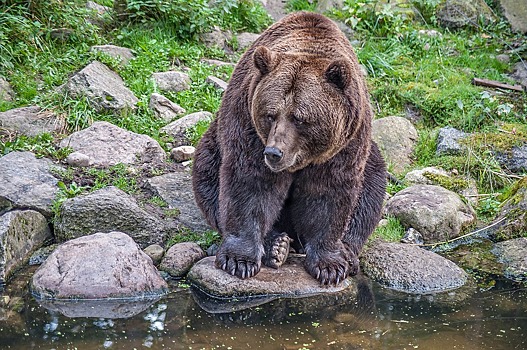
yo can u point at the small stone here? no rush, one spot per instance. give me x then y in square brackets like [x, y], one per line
[178, 128]
[163, 108]
[100, 9]
[172, 81]
[217, 82]
[382, 223]
[180, 257]
[124, 54]
[412, 236]
[448, 141]
[155, 252]
[217, 38]
[78, 159]
[503, 58]
[6, 92]
[431, 33]
[216, 63]
[182, 153]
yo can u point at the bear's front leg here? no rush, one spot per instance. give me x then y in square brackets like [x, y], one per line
[250, 202]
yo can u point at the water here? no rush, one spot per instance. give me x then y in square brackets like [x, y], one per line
[373, 319]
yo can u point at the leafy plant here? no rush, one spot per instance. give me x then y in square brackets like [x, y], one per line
[301, 5]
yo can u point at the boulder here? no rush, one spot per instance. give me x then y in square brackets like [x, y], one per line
[182, 153]
[180, 258]
[78, 159]
[99, 266]
[275, 282]
[437, 213]
[163, 108]
[176, 190]
[26, 183]
[513, 213]
[6, 91]
[512, 254]
[31, 121]
[216, 38]
[519, 73]
[100, 9]
[463, 186]
[275, 8]
[123, 54]
[516, 13]
[448, 141]
[455, 14]
[105, 210]
[21, 233]
[155, 252]
[107, 145]
[245, 40]
[408, 268]
[396, 138]
[515, 159]
[216, 63]
[217, 83]
[178, 128]
[104, 89]
[171, 81]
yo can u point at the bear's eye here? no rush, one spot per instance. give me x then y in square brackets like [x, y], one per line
[297, 120]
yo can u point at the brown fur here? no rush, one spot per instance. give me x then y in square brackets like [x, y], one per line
[298, 95]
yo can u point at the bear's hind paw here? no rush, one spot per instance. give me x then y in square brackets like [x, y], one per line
[276, 249]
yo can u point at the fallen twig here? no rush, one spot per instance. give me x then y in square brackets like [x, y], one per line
[496, 84]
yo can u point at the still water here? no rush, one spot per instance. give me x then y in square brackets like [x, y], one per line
[373, 318]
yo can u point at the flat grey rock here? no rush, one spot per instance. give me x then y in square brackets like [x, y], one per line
[514, 160]
[437, 213]
[31, 121]
[104, 89]
[176, 189]
[290, 280]
[520, 73]
[408, 268]
[245, 40]
[106, 145]
[99, 266]
[27, 183]
[21, 233]
[105, 210]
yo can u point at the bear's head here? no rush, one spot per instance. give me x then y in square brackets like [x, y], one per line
[305, 108]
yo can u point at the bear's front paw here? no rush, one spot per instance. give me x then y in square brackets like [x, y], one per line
[332, 267]
[276, 247]
[238, 259]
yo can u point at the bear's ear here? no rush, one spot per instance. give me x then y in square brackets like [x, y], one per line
[263, 59]
[339, 74]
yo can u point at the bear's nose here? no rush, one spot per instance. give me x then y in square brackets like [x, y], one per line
[273, 154]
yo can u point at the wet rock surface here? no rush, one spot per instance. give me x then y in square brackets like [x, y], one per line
[27, 183]
[99, 266]
[105, 210]
[106, 144]
[437, 213]
[290, 280]
[513, 255]
[21, 233]
[411, 269]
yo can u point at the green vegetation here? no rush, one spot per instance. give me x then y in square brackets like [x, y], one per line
[392, 231]
[205, 239]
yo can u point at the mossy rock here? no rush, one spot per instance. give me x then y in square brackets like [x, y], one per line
[455, 14]
[514, 212]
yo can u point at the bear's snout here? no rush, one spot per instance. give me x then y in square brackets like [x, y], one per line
[273, 154]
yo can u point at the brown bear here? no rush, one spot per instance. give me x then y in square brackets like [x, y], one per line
[290, 155]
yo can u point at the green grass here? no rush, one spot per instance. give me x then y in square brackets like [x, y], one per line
[393, 231]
